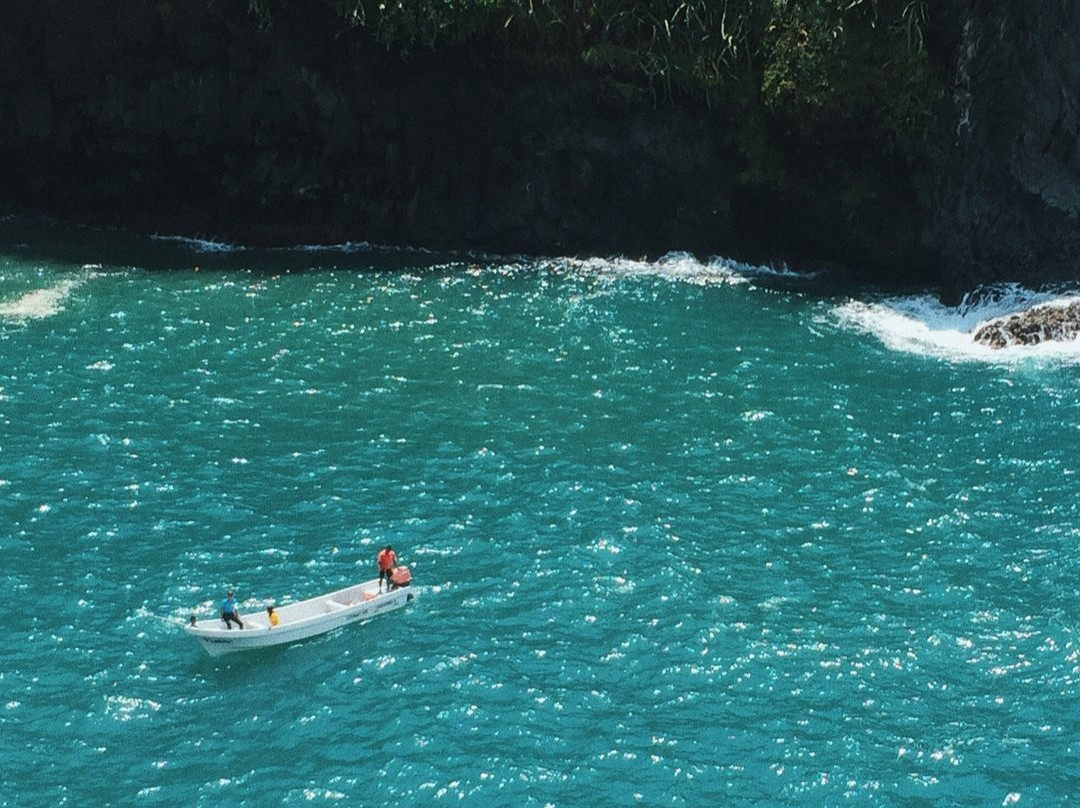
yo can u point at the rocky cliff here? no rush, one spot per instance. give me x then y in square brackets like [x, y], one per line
[193, 117]
[199, 117]
[1002, 173]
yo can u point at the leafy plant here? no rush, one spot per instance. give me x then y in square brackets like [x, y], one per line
[805, 58]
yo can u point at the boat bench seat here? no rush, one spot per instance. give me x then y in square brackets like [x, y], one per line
[333, 606]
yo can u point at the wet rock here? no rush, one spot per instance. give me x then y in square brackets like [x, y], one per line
[1055, 322]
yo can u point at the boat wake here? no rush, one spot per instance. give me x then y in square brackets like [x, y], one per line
[923, 325]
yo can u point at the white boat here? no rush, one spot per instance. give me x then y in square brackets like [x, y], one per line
[297, 621]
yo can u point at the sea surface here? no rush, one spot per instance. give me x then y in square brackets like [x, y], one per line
[683, 532]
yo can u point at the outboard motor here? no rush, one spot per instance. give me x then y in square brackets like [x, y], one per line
[400, 577]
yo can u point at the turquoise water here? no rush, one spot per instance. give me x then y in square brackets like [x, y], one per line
[682, 532]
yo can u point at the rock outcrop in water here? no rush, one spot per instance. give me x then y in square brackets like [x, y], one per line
[188, 117]
[1058, 323]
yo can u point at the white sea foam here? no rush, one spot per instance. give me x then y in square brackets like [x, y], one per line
[349, 247]
[200, 244]
[921, 324]
[38, 303]
[679, 267]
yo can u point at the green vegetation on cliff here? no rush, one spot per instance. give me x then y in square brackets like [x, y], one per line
[804, 59]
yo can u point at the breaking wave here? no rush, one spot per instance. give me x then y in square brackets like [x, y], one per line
[679, 267]
[199, 244]
[921, 324]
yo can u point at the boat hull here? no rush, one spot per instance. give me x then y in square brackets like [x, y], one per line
[300, 620]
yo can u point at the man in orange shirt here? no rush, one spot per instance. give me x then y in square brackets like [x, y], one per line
[387, 561]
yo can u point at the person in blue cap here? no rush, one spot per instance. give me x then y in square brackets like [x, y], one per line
[228, 611]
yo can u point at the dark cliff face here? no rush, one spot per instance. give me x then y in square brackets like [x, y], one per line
[191, 117]
[194, 117]
[1004, 172]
